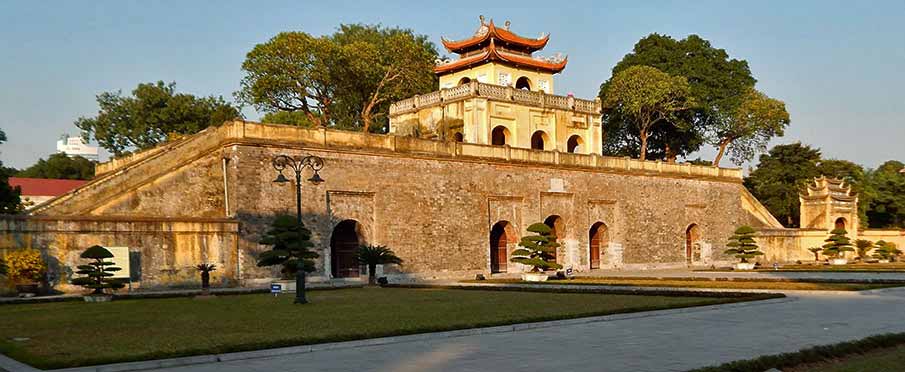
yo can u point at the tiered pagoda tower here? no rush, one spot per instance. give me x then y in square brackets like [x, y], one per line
[828, 203]
[498, 93]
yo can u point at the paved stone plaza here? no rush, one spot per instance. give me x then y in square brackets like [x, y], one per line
[672, 341]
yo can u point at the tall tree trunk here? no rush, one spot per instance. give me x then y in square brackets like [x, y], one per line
[719, 155]
[643, 155]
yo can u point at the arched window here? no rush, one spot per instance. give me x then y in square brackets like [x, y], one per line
[459, 137]
[344, 243]
[840, 223]
[558, 226]
[539, 140]
[574, 143]
[692, 244]
[597, 239]
[523, 83]
[501, 235]
[499, 136]
[464, 80]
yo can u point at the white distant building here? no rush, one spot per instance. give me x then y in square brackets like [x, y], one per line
[73, 146]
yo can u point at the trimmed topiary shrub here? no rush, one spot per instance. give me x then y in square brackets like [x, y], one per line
[863, 247]
[742, 245]
[837, 244]
[886, 251]
[290, 242]
[98, 274]
[537, 250]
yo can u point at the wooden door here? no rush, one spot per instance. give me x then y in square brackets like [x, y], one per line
[596, 240]
[343, 245]
[498, 251]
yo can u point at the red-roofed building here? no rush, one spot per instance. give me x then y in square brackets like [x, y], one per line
[38, 190]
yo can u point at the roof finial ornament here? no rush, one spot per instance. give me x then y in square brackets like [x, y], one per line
[481, 17]
[507, 25]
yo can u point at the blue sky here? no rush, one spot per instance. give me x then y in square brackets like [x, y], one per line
[839, 66]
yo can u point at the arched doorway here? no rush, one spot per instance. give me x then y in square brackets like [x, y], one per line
[459, 137]
[559, 231]
[840, 223]
[574, 144]
[500, 237]
[523, 83]
[343, 243]
[597, 238]
[464, 80]
[692, 244]
[499, 136]
[538, 140]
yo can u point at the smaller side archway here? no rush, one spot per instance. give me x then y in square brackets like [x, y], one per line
[499, 136]
[558, 226]
[597, 240]
[344, 242]
[464, 80]
[502, 236]
[575, 144]
[523, 83]
[840, 223]
[539, 140]
[459, 137]
[693, 238]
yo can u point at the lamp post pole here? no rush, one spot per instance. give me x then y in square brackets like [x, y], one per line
[297, 165]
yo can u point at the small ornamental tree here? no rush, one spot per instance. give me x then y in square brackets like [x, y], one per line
[816, 251]
[742, 245]
[205, 270]
[373, 255]
[290, 242]
[98, 274]
[25, 266]
[537, 250]
[863, 247]
[837, 244]
[886, 251]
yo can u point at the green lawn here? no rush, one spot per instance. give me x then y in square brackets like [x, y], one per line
[721, 284]
[853, 267]
[71, 334]
[892, 359]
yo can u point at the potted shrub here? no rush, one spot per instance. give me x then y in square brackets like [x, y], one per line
[537, 251]
[373, 255]
[25, 268]
[742, 246]
[836, 246]
[205, 270]
[886, 252]
[290, 243]
[98, 274]
[862, 248]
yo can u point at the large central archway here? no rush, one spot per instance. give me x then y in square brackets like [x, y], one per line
[500, 236]
[499, 136]
[343, 243]
[558, 226]
[597, 238]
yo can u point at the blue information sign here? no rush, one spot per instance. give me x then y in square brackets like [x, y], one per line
[276, 288]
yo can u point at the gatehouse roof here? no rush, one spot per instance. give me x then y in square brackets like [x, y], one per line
[489, 31]
[493, 53]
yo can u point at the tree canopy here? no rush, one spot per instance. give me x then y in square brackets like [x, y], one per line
[60, 166]
[884, 196]
[648, 96]
[728, 113]
[345, 80]
[10, 201]
[779, 175]
[152, 114]
[290, 242]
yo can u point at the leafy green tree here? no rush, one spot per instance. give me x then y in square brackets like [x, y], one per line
[153, 114]
[60, 166]
[886, 251]
[296, 118]
[373, 255]
[779, 176]
[863, 247]
[742, 245]
[747, 130]
[717, 84]
[345, 80]
[885, 196]
[290, 244]
[816, 251]
[98, 274]
[837, 244]
[10, 200]
[537, 250]
[649, 97]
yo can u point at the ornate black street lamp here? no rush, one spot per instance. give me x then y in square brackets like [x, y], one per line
[316, 163]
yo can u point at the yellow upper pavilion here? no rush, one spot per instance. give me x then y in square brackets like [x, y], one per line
[498, 93]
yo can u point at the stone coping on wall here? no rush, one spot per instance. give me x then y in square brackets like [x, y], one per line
[496, 93]
[19, 223]
[140, 168]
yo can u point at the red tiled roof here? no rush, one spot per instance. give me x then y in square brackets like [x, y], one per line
[492, 32]
[491, 53]
[44, 187]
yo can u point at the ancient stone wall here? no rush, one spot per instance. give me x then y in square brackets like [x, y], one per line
[163, 252]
